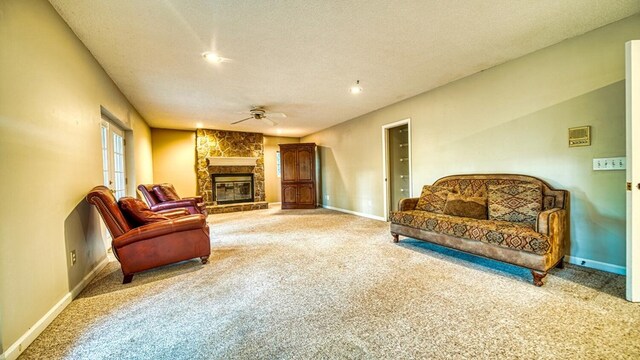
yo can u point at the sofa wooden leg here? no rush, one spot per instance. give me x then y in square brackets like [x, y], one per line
[396, 237]
[537, 277]
[127, 279]
[560, 264]
[204, 259]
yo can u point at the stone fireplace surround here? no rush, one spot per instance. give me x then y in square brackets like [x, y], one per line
[229, 152]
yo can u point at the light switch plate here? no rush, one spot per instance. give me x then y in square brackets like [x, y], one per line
[615, 163]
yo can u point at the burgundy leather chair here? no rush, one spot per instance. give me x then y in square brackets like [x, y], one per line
[195, 204]
[148, 246]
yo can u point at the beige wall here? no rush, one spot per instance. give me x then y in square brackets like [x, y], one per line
[272, 181]
[174, 159]
[142, 156]
[512, 118]
[50, 97]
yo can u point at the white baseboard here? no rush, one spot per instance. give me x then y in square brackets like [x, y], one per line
[374, 217]
[27, 338]
[598, 265]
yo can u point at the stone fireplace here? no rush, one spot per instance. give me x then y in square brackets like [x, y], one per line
[230, 170]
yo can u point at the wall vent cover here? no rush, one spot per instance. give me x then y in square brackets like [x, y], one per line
[580, 136]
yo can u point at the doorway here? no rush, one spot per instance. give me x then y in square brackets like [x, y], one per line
[396, 150]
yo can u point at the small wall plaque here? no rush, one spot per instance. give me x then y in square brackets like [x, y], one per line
[580, 136]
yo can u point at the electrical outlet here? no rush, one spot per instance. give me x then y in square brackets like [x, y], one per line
[616, 163]
[74, 258]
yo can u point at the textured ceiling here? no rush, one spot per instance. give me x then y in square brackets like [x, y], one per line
[301, 57]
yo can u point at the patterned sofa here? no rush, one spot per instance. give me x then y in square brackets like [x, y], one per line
[525, 223]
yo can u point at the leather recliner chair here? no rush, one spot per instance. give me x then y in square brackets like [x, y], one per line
[155, 244]
[195, 204]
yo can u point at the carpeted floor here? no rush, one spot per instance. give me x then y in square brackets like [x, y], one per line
[302, 284]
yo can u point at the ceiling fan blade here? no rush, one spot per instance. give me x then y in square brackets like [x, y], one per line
[269, 121]
[239, 121]
[276, 115]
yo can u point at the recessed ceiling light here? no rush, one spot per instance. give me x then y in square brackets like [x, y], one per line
[213, 57]
[356, 89]
[199, 125]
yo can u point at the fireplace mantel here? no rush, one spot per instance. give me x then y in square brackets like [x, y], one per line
[232, 161]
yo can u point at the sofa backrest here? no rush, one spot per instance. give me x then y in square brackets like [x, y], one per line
[477, 185]
[102, 197]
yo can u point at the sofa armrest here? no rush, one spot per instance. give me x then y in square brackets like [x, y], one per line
[160, 228]
[183, 203]
[549, 219]
[197, 199]
[407, 204]
[174, 213]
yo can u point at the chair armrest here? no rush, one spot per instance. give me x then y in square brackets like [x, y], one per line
[197, 199]
[182, 203]
[174, 213]
[407, 204]
[550, 220]
[150, 231]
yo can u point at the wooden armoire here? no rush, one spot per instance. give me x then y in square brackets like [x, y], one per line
[298, 175]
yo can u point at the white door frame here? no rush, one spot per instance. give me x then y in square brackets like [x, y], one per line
[385, 167]
[633, 169]
[109, 123]
[113, 129]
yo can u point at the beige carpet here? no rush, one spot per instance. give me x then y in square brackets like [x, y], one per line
[303, 284]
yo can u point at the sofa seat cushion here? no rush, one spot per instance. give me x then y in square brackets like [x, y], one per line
[517, 236]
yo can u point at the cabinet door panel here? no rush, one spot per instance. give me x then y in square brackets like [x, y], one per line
[305, 164]
[288, 163]
[289, 194]
[306, 195]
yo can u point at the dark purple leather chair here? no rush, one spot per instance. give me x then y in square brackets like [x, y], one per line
[194, 205]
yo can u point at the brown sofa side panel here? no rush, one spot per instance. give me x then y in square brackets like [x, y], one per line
[557, 237]
[164, 249]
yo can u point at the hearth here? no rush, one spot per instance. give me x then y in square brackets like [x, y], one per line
[232, 188]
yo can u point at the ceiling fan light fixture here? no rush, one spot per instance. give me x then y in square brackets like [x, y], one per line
[213, 57]
[259, 113]
[356, 89]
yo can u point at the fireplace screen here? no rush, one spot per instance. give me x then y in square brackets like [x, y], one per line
[233, 188]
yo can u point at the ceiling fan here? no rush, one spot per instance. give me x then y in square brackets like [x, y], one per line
[260, 113]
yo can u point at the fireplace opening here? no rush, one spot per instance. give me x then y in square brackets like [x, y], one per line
[232, 188]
